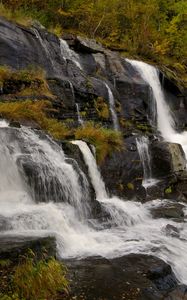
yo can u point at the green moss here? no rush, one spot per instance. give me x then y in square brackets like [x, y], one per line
[168, 190]
[130, 186]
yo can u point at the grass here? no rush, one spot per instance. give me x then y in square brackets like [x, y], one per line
[102, 108]
[35, 280]
[29, 81]
[35, 111]
[105, 140]
[17, 15]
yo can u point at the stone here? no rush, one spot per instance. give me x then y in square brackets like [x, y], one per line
[133, 277]
[15, 246]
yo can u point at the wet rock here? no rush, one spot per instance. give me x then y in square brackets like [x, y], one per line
[123, 172]
[13, 246]
[166, 159]
[134, 277]
[169, 210]
[83, 44]
[15, 124]
[172, 230]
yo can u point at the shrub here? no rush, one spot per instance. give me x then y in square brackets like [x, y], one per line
[105, 140]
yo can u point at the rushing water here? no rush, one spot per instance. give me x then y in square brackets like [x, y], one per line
[129, 227]
[165, 122]
[67, 53]
[80, 119]
[112, 107]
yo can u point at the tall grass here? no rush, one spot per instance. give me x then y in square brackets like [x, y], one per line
[105, 140]
[17, 15]
[31, 81]
[35, 111]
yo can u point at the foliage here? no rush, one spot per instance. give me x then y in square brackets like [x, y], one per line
[105, 140]
[32, 279]
[150, 29]
[15, 15]
[101, 108]
[168, 190]
[35, 111]
[30, 81]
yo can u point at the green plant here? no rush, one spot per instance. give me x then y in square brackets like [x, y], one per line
[39, 280]
[5, 262]
[130, 186]
[106, 141]
[168, 190]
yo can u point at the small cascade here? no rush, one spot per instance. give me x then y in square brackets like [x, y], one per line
[94, 173]
[80, 119]
[43, 44]
[143, 150]
[72, 90]
[165, 122]
[67, 53]
[112, 107]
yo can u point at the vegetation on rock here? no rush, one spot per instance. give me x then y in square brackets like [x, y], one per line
[32, 279]
[150, 29]
[105, 140]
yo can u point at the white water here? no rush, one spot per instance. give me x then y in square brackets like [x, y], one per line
[67, 53]
[94, 173]
[131, 229]
[112, 107]
[80, 119]
[165, 122]
[143, 150]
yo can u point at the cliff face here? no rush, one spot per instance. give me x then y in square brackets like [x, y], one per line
[83, 75]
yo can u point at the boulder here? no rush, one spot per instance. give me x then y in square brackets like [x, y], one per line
[167, 159]
[135, 277]
[83, 44]
[14, 246]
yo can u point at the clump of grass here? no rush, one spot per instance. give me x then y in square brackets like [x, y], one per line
[33, 279]
[106, 141]
[17, 15]
[102, 108]
[30, 81]
[35, 111]
[39, 280]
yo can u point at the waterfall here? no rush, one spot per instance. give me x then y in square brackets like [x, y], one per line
[112, 107]
[67, 53]
[95, 175]
[128, 227]
[80, 120]
[143, 150]
[165, 122]
[72, 90]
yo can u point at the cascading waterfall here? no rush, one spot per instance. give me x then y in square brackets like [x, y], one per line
[112, 107]
[165, 122]
[143, 150]
[67, 53]
[80, 119]
[131, 229]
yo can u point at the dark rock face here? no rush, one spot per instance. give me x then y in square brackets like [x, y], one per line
[135, 277]
[123, 172]
[82, 80]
